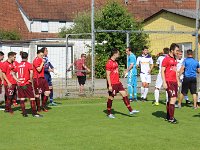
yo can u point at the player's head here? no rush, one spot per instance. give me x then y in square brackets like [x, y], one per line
[145, 50]
[166, 50]
[24, 56]
[12, 56]
[174, 48]
[180, 54]
[189, 53]
[114, 53]
[128, 50]
[40, 54]
[83, 56]
[20, 53]
[44, 50]
[1, 55]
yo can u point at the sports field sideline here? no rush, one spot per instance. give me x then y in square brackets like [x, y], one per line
[82, 124]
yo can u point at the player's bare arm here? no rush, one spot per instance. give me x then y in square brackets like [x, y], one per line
[108, 80]
[1, 75]
[181, 71]
[151, 67]
[39, 69]
[163, 77]
[129, 68]
[5, 78]
[31, 76]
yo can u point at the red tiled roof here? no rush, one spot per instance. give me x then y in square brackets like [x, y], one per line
[11, 18]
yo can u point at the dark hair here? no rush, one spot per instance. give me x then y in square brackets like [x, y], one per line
[24, 55]
[20, 53]
[1, 53]
[42, 49]
[189, 52]
[145, 47]
[83, 55]
[173, 46]
[39, 51]
[114, 51]
[11, 54]
[166, 50]
[129, 49]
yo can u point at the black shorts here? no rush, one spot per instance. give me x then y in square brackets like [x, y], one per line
[81, 80]
[189, 83]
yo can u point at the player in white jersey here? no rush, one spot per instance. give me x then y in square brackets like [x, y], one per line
[145, 62]
[180, 60]
[159, 80]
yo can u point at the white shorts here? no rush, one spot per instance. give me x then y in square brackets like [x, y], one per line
[145, 78]
[159, 81]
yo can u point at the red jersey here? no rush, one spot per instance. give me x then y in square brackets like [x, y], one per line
[170, 64]
[7, 69]
[23, 72]
[36, 63]
[79, 66]
[1, 66]
[112, 66]
[15, 64]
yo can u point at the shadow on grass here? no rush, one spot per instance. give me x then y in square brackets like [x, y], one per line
[198, 115]
[159, 114]
[117, 112]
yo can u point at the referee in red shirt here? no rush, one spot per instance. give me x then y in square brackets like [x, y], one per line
[114, 84]
[171, 80]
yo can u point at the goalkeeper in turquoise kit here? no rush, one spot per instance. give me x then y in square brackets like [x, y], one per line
[131, 74]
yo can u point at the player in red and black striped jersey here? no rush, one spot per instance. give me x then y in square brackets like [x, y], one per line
[24, 72]
[40, 84]
[114, 84]
[1, 77]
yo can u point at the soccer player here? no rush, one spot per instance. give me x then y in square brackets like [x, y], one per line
[81, 70]
[145, 62]
[180, 60]
[1, 78]
[9, 82]
[171, 80]
[114, 84]
[24, 77]
[159, 81]
[40, 84]
[48, 68]
[132, 75]
[14, 101]
[189, 67]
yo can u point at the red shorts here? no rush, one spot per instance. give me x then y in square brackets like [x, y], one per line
[25, 91]
[115, 89]
[172, 89]
[40, 85]
[10, 92]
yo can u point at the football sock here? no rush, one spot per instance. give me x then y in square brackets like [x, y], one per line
[33, 107]
[8, 105]
[171, 110]
[37, 100]
[127, 103]
[130, 91]
[51, 96]
[167, 107]
[166, 96]
[146, 90]
[109, 106]
[142, 92]
[44, 101]
[22, 104]
[156, 95]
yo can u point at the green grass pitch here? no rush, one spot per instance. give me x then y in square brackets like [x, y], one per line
[81, 124]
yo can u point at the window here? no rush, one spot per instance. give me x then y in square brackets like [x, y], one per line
[61, 24]
[45, 26]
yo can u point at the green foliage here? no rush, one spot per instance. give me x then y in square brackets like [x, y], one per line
[9, 35]
[113, 16]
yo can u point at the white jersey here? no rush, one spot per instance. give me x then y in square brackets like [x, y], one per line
[144, 62]
[159, 62]
[179, 65]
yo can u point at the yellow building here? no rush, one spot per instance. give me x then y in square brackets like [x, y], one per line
[172, 20]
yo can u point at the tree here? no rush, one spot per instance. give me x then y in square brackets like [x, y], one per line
[9, 35]
[113, 16]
